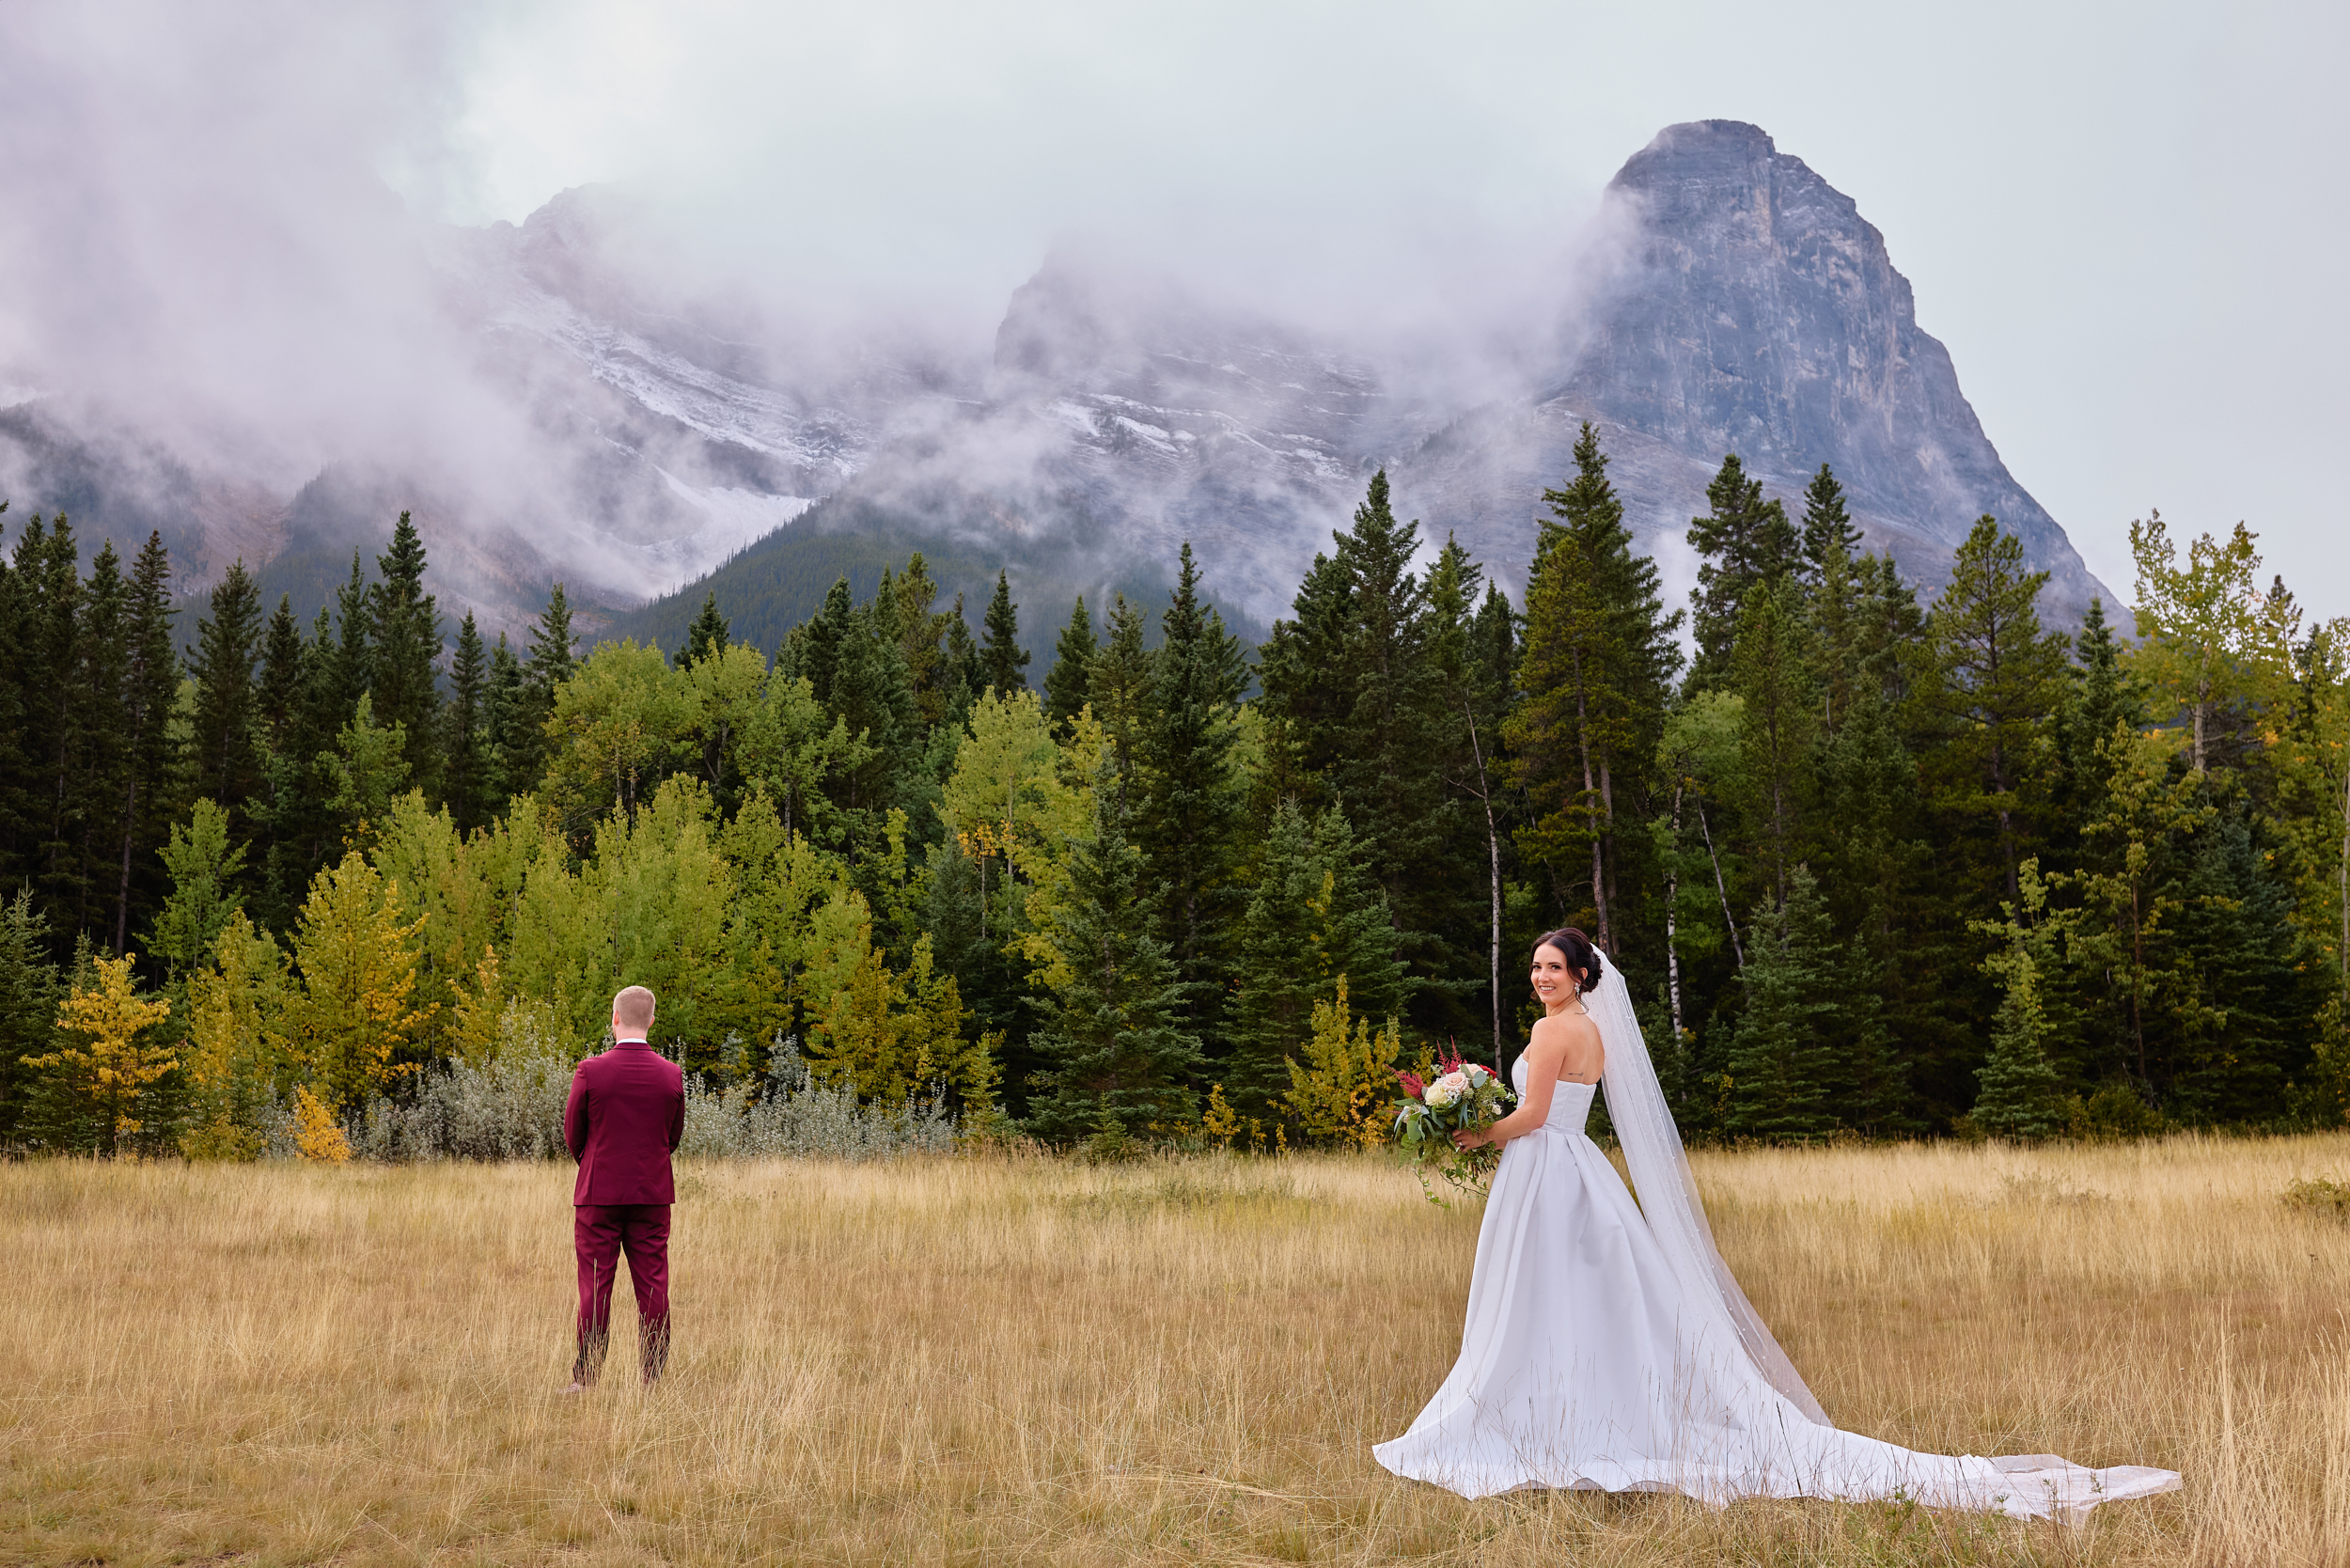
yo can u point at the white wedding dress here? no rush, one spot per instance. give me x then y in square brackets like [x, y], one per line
[1606, 1351]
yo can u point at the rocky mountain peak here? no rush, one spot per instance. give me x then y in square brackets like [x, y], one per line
[1763, 316]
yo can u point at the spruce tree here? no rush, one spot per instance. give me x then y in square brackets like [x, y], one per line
[1001, 657]
[1871, 864]
[99, 776]
[2240, 1018]
[551, 660]
[1120, 687]
[404, 646]
[150, 686]
[1595, 679]
[1828, 530]
[962, 660]
[510, 767]
[53, 601]
[872, 697]
[1745, 542]
[12, 708]
[30, 989]
[1314, 915]
[1065, 683]
[467, 778]
[1780, 1061]
[707, 635]
[2018, 1084]
[1189, 825]
[1355, 687]
[1307, 679]
[345, 664]
[924, 639]
[225, 761]
[1114, 1048]
[2098, 694]
[1771, 669]
[819, 643]
[1996, 682]
[278, 689]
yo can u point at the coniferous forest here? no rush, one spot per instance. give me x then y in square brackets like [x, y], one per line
[1875, 864]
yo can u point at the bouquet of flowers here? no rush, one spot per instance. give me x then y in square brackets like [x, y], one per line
[1462, 1096]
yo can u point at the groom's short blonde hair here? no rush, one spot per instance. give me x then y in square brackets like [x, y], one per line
[632, 1009]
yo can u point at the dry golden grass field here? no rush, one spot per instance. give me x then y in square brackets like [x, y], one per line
[1024, 1361]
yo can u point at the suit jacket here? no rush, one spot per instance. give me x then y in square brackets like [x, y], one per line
[625, 1115]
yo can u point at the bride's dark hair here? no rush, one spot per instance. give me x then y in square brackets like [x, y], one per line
[1581, 956]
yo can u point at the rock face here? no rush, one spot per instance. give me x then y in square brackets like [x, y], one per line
[1765, 316]
[1747, 308]
[1741, 305]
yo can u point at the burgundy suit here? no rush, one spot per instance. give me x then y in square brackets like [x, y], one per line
[625, 1115]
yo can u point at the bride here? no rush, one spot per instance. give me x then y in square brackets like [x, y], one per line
[1607, 1346]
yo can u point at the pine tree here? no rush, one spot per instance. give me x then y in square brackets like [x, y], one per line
[204, 866]
[872, 697]
[1771, 670]
[707, 635]
[93, 785]
[404, 646]
[1001, 657]
[1780, 1062]
[228, 765]
[1120, 686]
[1745, 542]
[346, 666]
[1314, 917]
[1115, 1051]
[552, 659]
[278, 689]
[2098, 694]
[2019, 1085]
[1594, 680]
[1188, 827]
[1357, 704]
[29, 992]
[1997, 683]
[49, 595]
[925, 635]
[150, 686]
[1307, 678]
[819, 641]
[1871, 866]
[2252, 984]
[467, 773]
[1828, 530]
[1065, 684]
[1477, 651]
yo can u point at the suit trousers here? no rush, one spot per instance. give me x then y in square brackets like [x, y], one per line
[601, 1233]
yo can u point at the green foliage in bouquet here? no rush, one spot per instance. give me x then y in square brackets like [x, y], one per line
[1464, 1097]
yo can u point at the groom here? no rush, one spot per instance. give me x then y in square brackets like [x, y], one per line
[626, 1113]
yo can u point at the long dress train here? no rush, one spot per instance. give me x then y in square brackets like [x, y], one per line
[1587, 1363]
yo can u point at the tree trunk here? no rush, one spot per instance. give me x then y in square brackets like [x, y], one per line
[1493, 850]
[1590, 789]
[1673, 891]
[122, 898]
[1608, 801]
[1720, 886]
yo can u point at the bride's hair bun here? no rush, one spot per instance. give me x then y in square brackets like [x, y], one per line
[1583, 961]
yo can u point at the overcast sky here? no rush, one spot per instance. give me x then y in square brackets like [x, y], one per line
[2126, 222]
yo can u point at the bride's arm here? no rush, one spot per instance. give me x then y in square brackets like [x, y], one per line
[1553, 1050]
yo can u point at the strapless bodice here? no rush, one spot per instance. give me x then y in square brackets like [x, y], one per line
[1570, 1103]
